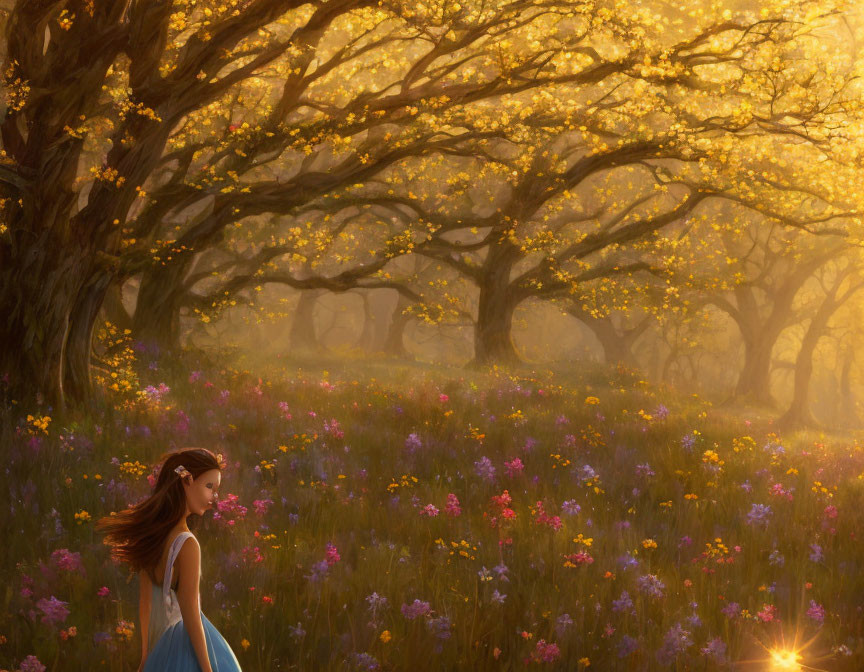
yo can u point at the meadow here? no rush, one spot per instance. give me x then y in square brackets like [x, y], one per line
[384, 516]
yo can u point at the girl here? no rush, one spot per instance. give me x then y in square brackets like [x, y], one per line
[154, 539]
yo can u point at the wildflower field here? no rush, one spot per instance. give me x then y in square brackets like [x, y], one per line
[402, 517]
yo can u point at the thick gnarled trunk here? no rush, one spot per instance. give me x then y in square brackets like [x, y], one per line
[493, 343]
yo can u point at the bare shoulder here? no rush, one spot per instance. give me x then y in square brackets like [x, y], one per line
[189, 546]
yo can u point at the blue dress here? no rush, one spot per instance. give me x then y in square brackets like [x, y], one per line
[169, 646]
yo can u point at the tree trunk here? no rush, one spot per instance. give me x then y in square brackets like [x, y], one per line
[617, 344]
[156, 323]
[38, 289]
[394, 343]
[493, 343]
[367, 335]
[113, 308]
[303, 337]
[799, 414]
[849, 405]
[79, 343]
[754, 381]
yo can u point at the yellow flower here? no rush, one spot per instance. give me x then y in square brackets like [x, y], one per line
[649, 543]
[385, 636]
[38, 423]
[592, 401]
[244, 643]
[82, 517]
[585, 662]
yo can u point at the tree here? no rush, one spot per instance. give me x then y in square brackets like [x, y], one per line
[843, 283]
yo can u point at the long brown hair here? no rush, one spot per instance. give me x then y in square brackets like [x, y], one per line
[137, 534]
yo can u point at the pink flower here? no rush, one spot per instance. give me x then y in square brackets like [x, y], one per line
[768, 613]
[429, 510]
[53, 610]
[63, 558]
[545, 653]
[443, 398]
[543, 518]
[261, 506]
[332, 555]
[580, 558]
[830, 511]
[229, 506]
[103, 591]
[514, 467]
[31, 664]
[252, 554]
[452, 508]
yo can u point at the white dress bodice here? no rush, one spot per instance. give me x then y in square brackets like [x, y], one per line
[164, 608]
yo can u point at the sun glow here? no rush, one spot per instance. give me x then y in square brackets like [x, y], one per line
[785, 660]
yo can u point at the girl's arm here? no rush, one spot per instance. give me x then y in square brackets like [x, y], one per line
[145, 593]
[189, 564]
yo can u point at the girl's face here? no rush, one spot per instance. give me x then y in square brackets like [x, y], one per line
[202, 493]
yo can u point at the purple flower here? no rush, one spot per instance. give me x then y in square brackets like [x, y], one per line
[816, 612]
[440, 626]
[650, 585]
[661, 412]
[715, 650]
[675, 642]
[319, 571]
[562, 623]
[626, 646]
[570, 507]
[376, 602]
[484, 468]
[626, 562]
[623, 603]
[412, 443]
[816, 554]
[31, 664]
[296, 631]
[776, 558]
[54, 610]
[498, 598]
[501, 570]
[364, 661]
[415, 609]
[731, 610]
[219, 586]
[760, 514]
[688, 441]
[644, 470]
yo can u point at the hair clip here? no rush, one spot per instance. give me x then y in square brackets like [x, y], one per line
[220, 460]
[182, 471]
